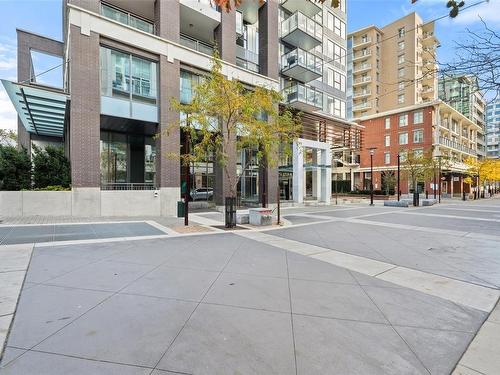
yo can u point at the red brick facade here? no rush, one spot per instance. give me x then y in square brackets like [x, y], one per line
[374, 135]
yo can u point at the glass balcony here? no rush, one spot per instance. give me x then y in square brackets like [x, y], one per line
[127, 18]
[247, 59]
[197, 45]
[302, 97]
[301, 31]
[301, 65]
[309, 8]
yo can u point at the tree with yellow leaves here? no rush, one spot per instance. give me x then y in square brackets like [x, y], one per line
[484, 172]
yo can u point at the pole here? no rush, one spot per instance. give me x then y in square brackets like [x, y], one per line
[279, 199]
[336, 192]
[399, 169]
[434, 181]
[439, 186]
[371, 179]
[186, 174]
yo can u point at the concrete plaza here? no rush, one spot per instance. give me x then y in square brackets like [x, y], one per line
[341, 290]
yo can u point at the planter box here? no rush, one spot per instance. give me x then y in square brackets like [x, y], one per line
[260, 216]
[401, 203]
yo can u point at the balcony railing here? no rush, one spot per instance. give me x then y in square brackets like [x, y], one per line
[127, 186]
[126, 18]
[457, 146]
[363, 80]
[361, 42]
[310, 65]
[362, 55]
[307, 26]
[359, 94]
[197, 45]
[361, 67]
[298, 92]
[247, 59]
[360, 107]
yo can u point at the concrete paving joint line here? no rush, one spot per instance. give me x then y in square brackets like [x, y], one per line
[14, 263]
[467, 294]
[482, 356]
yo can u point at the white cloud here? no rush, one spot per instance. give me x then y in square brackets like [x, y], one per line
[7, 63]
[489, 12]
[8, 115]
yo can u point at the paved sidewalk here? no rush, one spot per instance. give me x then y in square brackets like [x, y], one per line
[483, 355]
[342, 290]
[14, 261]
[223, 304]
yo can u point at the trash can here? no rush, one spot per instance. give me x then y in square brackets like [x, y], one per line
[180, 209]
[230, 211]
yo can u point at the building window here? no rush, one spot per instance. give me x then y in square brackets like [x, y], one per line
[387, 141]
[403, 120]
[330, 20]
[418, 136]
[188, 82]
[418, 153]
[401, 32]
[401, 86]
[403, 155]
[401, 98]
[387, 123]
[403, 138]
[418, 117]
[401, 72]
[329, 77]
[387, 158]
[339, 81]
[330, 49]
[339, 28]
[401, 46]
[339, 54]
[401, 59]
[125, 77]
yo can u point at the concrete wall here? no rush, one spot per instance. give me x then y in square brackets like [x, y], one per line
[89, 202]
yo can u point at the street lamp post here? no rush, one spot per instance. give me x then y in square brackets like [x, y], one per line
[439, 174]
[372, 151]
[399, 169]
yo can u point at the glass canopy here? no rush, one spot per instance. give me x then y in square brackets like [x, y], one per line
[41, 110]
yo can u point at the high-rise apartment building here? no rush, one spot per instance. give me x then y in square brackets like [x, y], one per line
[463, 94]
[493, 129]
[123, 62]
[393, 66]
[394, 96]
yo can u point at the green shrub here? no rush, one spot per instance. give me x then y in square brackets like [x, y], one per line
[15, 168]
[50, 167]
[54, 188]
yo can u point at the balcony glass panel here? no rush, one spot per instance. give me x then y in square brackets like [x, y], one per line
[126, 18]
[302, 22]
[302, 58]
[197, 45]
[301, 93]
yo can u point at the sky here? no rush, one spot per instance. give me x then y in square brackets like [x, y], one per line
[44, 17]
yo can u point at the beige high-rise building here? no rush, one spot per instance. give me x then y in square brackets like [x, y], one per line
[393, 66]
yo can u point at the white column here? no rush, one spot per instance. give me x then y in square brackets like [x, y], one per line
[298, 173]
[352, 180]
[326, 175]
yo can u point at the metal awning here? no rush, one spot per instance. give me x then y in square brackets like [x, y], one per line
[41, 110]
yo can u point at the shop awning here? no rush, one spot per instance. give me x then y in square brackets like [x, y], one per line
[41, 110]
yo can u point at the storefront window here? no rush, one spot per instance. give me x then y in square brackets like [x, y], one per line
[248, 172]
[127, 161]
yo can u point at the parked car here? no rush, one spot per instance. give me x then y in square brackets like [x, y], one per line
[202, 194]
